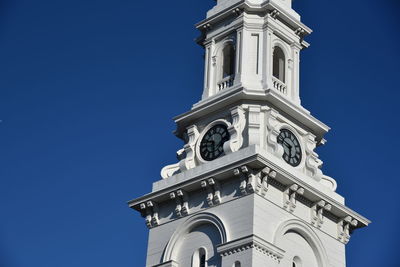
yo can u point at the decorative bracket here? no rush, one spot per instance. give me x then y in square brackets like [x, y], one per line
[262, 181]
[182, 202]
[289, 197]
[247, 180]
[251, 182]
[190, 149]
[173, 169]
[235, 130]
[213, 191]
[274, 14]
[344, 228]
[237, 11]
[317, 212]
[273, 132]
[150, 212]
[207, 26]
[299, 31]
[313, 163]
[169, 170]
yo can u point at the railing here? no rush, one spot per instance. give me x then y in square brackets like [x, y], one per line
[279, 85]
[226, 82]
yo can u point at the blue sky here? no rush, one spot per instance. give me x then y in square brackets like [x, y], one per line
[88, 90]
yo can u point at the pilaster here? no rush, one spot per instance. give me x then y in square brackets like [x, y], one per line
[252, 45]
[239, 55]
[267, 78]
[295, 65]
[207, 72]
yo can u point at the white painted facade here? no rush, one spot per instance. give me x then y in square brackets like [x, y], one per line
[249, 206]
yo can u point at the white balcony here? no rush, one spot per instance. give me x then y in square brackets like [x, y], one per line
[225, 82]
[279, 85]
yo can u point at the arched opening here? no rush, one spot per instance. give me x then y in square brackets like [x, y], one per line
[297, 238]
[202, 257]
[237, 264]
[199, 258]
[228, 62]
[203, 230]
[297, 262]
[279, 67]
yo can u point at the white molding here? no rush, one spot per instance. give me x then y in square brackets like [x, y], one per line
[267, 97]
[308, 234]
[224, 166]
[251, 242]
[186, 226]
[189, 162]
[235, 130]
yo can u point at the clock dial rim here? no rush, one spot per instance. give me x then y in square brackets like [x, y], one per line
[290, 143]
[210, 138]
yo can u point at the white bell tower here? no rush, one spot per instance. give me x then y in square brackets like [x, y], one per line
[262, 46]
[248, 189]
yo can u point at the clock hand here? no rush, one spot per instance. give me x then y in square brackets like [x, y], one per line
[289, 147]
[210, 143]
[221, 141]
[214, 141]
[287, 144]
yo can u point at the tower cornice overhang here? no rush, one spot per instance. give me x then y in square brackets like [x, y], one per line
[256, 158]
[242, 95]
[251, 241]
[240, 22]
[266, 8]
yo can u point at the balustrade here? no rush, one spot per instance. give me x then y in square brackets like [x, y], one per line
[279, 85]
[226, 82]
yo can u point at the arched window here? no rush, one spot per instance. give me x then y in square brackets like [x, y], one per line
[228, 62]
[279, 67]
[202, 260]
[199, 258]
[296, 262]
[237, 264]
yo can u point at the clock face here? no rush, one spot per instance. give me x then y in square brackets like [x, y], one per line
[291, 146]
[211, 147]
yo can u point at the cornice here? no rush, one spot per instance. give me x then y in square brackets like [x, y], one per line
[219, 16]
[189, 180]
[220, 34]
[254, 158]
[264, 8]
[241, 94]
[251, 242]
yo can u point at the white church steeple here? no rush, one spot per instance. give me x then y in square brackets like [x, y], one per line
[248, 189]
